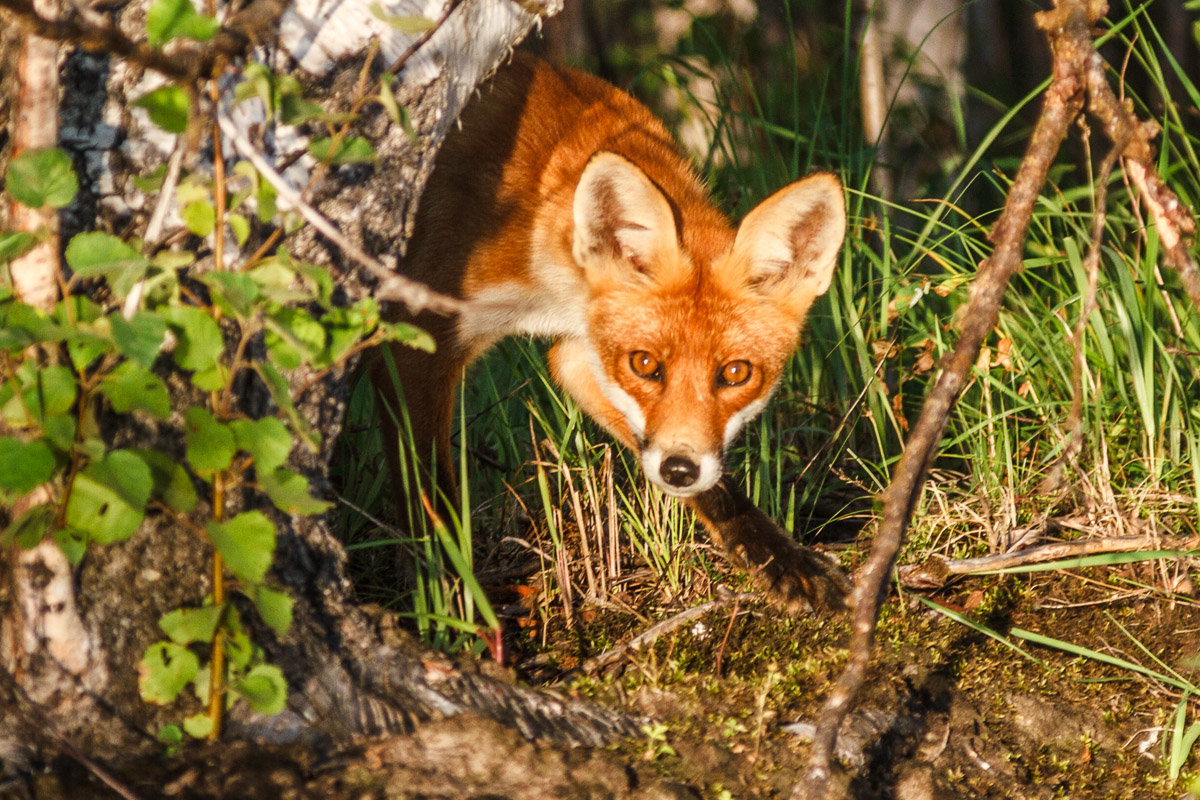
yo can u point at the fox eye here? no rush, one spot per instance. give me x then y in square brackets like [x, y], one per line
[735, 373]
[645, 365]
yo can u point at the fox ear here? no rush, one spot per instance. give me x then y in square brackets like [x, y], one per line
[793, 236]
[620, 212]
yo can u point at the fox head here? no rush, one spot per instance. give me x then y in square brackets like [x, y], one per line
[689, 329]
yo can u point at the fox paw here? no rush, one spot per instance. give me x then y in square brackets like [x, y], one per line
[796, 577]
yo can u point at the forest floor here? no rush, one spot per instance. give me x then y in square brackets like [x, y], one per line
[948, 712]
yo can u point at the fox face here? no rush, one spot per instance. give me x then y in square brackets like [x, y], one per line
[689, 331]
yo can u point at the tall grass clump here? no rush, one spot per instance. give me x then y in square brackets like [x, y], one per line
[550, 491]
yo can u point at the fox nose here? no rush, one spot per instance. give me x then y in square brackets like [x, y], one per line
[679, 472]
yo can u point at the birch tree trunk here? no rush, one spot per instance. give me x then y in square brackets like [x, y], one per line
[71, 637]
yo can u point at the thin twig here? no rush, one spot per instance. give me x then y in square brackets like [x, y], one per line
[593, 665]
[186, 62]
[36, 721]
[392, 286]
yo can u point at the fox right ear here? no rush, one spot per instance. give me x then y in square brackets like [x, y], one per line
[618, 211]
[792, 238]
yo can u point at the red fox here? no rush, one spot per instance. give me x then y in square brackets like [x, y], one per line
[562, 208]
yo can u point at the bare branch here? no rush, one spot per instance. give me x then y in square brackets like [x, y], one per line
[1069, 27]
[185, 62]
[392, 286]
[935, 573]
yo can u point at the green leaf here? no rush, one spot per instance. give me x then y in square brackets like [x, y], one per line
[351, 150]
[247, 543]
[24, 465]
[233, 292]
[187, 625]
[198, 726]
[295, 109]
[267, 440]
[200, 342]
[72, 542]
[257, 81]
[280, 393]
[409, 335]
[264, 687]
[44, 177]
[139, 338]
[171, 481]
[199, 217]
[240, 227]
[84, 349]
[171, 19]
[165, 669]
[210, 444]
[30, 528]
[413, 26]
[15, 244]
[293, 337]
[275, 607]
[99, 253]
[59, 432]
[238, 647]
[171, 736]
[44, 393]
[168, 106]
[132, 387]
[289, 492]
[264, 199]
[108, 498]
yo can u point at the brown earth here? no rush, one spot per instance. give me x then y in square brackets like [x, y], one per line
[949, 712]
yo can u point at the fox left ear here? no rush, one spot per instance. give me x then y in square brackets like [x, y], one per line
[794, 235]
[619, 211]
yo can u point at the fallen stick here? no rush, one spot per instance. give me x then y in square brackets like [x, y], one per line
[653, 633]
[936, 571]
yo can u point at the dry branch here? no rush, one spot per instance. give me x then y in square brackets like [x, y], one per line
[935, 572]
[1068, 27]
[657, 631]
[185, 62]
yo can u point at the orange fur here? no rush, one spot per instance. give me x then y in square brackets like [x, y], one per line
[562, 208]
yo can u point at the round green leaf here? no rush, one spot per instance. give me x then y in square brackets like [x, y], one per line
[198, 726]
[275, 608]
[289, 492]
[170, 19]
[140, 338]
[266, 439]
[247, 543]
[210, 444]
[30, 528]
[15, 244]
[45, 394]
[24, 465]
[165, 669]
[187, 625]
[200, 343]
[108, 498]
[99, 253]
[132, 387]
[167, 106]
[171, 481]
[43, 177]
[264, 687]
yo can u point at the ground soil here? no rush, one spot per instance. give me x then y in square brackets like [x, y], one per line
[949, 711]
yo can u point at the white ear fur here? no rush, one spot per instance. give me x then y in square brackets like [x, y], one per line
[619, 211]
[793, 236]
